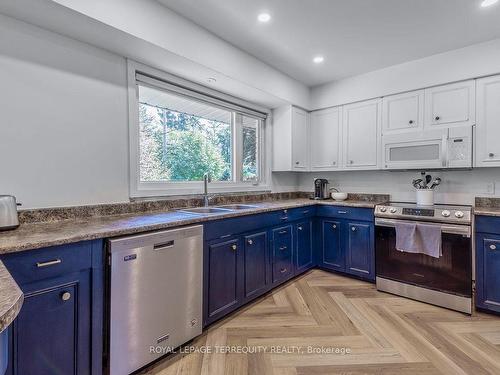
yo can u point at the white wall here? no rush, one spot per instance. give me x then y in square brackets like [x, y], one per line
[458, 187]
[63, 119]
[465, 63]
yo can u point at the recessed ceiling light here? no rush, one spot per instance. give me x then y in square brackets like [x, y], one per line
[264, 17]
[487, 3]
[318, 59]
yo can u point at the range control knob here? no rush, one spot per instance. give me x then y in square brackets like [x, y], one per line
[459, 214]
[393, 210]
[383, 209]
[446, 213]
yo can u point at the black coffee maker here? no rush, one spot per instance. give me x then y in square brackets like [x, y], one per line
[321, 188]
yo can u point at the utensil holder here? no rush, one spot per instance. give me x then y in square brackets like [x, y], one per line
[425, 197]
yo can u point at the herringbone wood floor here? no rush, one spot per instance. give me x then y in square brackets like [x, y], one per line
[385, 335]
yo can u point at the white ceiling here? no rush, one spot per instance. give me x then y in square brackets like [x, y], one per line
[354, 36]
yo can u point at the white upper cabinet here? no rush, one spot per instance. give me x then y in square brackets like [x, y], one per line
[488, 122]
[361, 135]
[403, 112]
[300, 139]
[325, 139]
[290, 139]
[450, 105]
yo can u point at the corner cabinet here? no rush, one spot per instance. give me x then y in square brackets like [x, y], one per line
[361, 135]
[488, 122]
[488, 263]
[59, 327]
[290, 139]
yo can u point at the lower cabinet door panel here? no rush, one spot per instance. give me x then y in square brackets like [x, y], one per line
[51, 334]
[303, 246]
[223, 272]
[256, 258]
[331, 247]
[359, 254]
[488, 271]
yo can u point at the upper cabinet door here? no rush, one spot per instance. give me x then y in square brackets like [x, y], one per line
[403, 112]
[488, 122]
[300, 139]
[450, 105]
[325, 139]
[361, 134]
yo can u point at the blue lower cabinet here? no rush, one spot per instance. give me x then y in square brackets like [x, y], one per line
[304, 257]
[359, 250]
[488, 271]
[282, 253]
[256, 254]
[332, 252]
[59, 327]
[347, 246]
[224, 278]
[4, 351]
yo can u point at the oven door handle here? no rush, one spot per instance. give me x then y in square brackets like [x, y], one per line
[463, 230]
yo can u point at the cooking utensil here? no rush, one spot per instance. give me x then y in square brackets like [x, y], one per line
[417, 184]
[8, 212]
[428, 179]
[436, 182]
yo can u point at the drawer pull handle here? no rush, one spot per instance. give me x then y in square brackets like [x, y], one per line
[305, 212]
[283, 232]
[284, 218]
[283, 270]
[66, 296]
[493, 247]
[283, 248]
[250, 242]
[48, 263]
[343, 212]
[234, 247]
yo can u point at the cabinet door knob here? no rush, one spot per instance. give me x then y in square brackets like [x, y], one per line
[66, 296]
[299, 228]
[493, 247]
[250, 242]
[283, 270]
[437, 118]
[410, 122]
[334, 226]
[353, 229]
[297, 163]
[334, 163]
[491, 154]
[234, 247]
[351, 161]
[283, 248]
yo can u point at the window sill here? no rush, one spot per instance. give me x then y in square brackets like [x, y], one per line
[196, 189]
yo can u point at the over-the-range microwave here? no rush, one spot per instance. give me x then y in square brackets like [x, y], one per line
[429, 149]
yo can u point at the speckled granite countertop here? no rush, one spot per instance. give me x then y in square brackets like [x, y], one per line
[11, 298]
[487, 206]
[50, 233]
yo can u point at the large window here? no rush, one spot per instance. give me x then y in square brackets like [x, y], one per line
[181, 137]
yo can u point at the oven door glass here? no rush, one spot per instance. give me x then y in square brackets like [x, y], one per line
[451, 273]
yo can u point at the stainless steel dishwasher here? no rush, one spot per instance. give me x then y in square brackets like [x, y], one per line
[156, 295]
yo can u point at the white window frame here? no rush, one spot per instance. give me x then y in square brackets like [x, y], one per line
[140, 189]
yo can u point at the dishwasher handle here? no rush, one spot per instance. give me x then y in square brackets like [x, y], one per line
[164, 245]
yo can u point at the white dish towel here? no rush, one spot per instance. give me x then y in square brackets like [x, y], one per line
[419, 238]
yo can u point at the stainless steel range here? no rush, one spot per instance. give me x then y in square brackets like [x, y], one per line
[445, 280]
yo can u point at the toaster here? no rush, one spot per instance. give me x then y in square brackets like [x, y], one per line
[8, 212]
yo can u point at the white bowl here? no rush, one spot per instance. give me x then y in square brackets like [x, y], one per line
[339, 196]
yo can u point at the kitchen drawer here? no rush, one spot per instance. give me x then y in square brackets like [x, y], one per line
[295, 214]
[33, 265]
[343, 212]
[488, 224]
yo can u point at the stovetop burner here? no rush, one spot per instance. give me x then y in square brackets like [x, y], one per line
[439, 212]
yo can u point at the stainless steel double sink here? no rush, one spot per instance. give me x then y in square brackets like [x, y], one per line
[218, 209]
